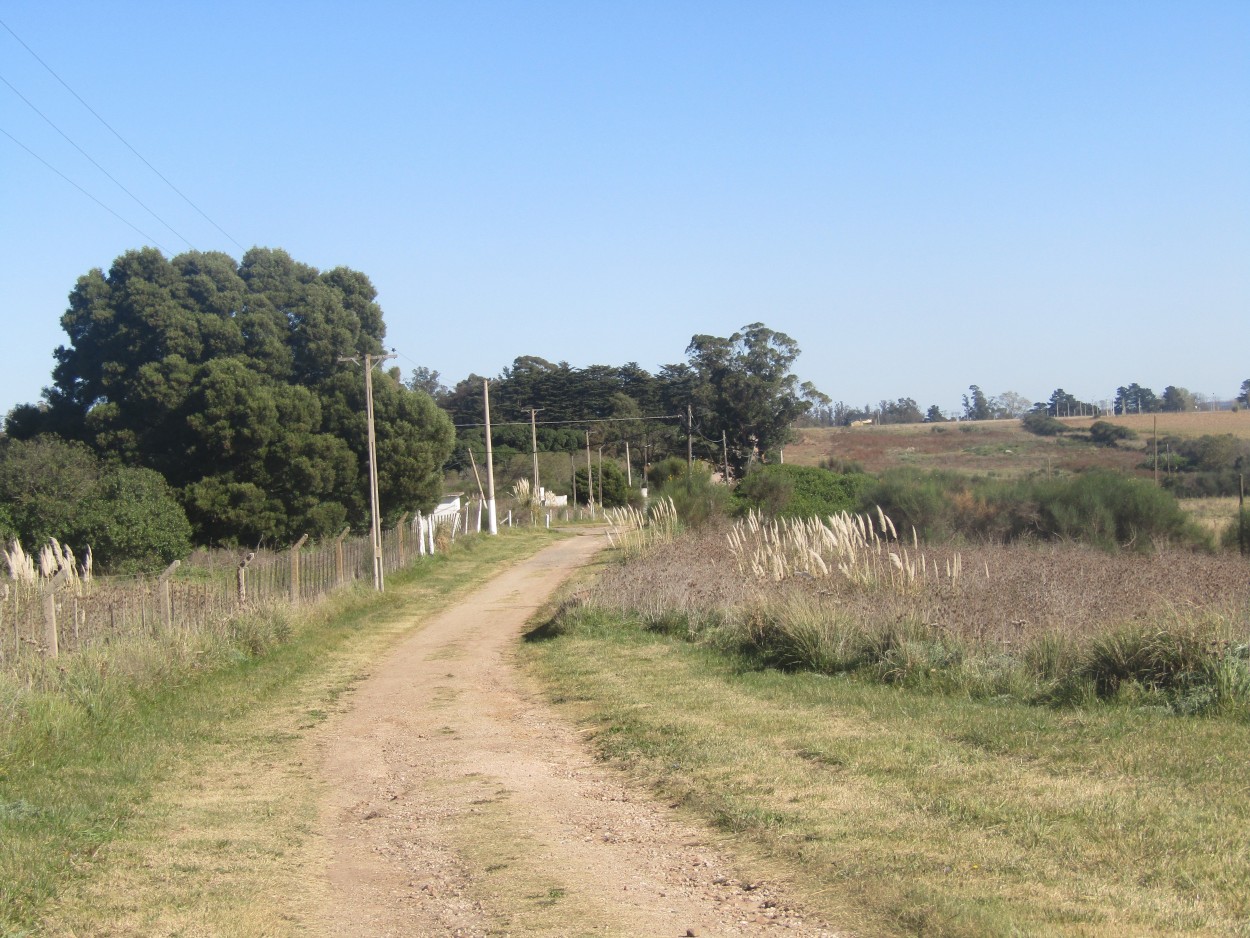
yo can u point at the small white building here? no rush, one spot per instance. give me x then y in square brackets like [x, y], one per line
[448, 506]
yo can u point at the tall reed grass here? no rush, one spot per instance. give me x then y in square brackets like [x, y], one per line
[861, 548]
[633, 531]
[1058, 624]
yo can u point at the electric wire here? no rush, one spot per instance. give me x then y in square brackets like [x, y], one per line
[584, 420]
[146, 236]
[90, 159]
[126, 142]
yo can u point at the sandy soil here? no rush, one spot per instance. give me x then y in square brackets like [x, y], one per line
[459, 803]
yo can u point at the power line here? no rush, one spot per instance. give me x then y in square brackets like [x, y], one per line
[66, 86]
[526, 423]
[146, 237]
[50, 123]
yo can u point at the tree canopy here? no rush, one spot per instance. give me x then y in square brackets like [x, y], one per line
[226, 379]
[744, 388]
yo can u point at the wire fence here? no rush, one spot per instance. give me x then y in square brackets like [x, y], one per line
[63, 609]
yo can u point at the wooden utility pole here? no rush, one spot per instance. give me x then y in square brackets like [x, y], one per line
[490, 465]
[689, 449]
[1156, 438]
[1241, 517]
[379, 579]
[629, 475]
[724, 445]
[590, 478]
[534, 444]
[600, 475]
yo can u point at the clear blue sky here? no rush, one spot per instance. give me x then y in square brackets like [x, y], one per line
[924, 195]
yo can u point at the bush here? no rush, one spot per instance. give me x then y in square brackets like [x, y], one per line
[1043, 424]
[697, 499]
[1111, 510]
[666, 470]
[1101, 508]
[55, 489]
[1102, 433]
[611, 490]
[132, 523]
[1237, 535]
[799, 491]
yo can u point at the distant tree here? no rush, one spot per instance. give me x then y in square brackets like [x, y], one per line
[844, 414]
[1177, 400]
[934, 414]
[903, 410]
[977, 407]
[820, 406]
[1244, 396]
[1135, 399]
[1063, 404]
[427, 380]
[1009, 405]
[745, 388]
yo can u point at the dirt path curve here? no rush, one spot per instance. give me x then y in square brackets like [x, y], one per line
[460, 804]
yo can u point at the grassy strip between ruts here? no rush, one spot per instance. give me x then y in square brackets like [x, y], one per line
[186, 793]
[898, 811]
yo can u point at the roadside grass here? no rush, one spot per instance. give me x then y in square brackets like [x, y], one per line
[904, 811]
[159, 789]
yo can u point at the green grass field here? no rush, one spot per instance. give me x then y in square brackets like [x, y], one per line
[897, 811]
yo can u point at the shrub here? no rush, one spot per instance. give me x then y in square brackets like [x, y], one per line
[1236, 536]
[1102, 433]
[132, 522]
[799, 491]
[1043, 424]
[697, 499]
[1102, 508]
[666, 470]
[611, 488]
[1111, 510]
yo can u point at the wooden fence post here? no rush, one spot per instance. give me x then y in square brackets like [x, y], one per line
[295, 569]
[340, 571]
[51, 639]
[399, 529]
[167, 605]
[242, 577]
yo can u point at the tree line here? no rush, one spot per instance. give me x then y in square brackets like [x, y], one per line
[734, 399]
[977, 405]
[223, 402]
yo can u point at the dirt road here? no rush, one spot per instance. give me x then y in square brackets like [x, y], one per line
[460, 804]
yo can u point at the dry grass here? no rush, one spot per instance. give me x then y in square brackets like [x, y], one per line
[1195, 423]
[1001, 447]
[1004, 594]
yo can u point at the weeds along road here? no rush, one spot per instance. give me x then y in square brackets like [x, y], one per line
[457, 803]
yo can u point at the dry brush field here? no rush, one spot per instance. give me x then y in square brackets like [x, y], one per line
[1001, 446]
